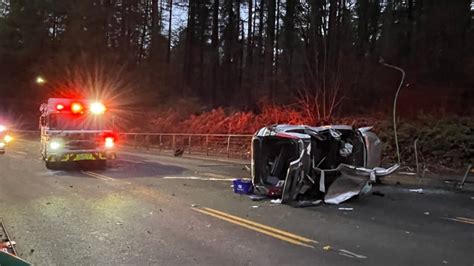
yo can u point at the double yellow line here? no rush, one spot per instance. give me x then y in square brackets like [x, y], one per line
[264, 229]
[99, 176]
[462, 220]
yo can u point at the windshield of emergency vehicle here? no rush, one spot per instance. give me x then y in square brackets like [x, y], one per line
[76, 122]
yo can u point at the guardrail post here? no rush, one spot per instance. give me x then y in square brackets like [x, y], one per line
[228, 147]
[207, 145]
[161, 144]
[147, 142]
[189, 144]
[173, 144]
[136, 142]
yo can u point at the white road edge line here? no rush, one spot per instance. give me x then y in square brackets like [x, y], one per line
[130, 161]
[198, 178]
[346, 255]
[352, 254]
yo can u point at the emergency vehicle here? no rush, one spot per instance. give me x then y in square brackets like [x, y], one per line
[76, 130]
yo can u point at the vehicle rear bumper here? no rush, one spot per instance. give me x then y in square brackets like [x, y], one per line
[81, 156]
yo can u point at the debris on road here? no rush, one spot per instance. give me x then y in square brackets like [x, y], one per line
[418, 190]
[255, 197]
[255, 206]
[8, 253]
[276, 201]
[407, 173]
[242, 186]
[378, 193]
[178, 152]
[427, 213]
[345, 209]
[302, 163]
[194, 205]
[307, 203]
[327, 248]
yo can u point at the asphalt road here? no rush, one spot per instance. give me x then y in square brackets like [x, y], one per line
[157, 210]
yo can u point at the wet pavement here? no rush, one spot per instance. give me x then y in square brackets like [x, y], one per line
[157, 210]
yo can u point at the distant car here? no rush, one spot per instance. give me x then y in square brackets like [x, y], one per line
[301, 163]
[5, 138]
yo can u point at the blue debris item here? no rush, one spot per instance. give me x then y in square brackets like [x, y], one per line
[242, 186]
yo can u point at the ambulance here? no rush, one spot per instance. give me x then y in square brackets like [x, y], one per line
[76, 130]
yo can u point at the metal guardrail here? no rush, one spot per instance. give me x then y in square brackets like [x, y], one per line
[228, 145]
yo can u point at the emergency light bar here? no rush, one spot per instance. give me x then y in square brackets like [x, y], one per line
[97, 108]
[75, 106]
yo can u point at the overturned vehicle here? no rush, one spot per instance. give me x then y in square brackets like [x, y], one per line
[303, 163]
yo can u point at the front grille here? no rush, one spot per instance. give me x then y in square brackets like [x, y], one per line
[81, 145]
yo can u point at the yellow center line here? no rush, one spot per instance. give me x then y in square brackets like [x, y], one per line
[278, 236]
[465, 219]
[460, 220]
[262, 226]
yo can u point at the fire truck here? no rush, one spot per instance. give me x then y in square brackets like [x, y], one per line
[76, 130]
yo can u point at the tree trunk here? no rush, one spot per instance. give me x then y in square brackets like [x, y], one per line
[249, 52]
[154, 30]
[189, 47]
[269, 45]
[215, 51]
[289, 41]
[143, 33]
[170, 20]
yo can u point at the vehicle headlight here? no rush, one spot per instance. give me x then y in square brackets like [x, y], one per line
[2, 144]
[54, 145]
[109, 142]
[8, 138]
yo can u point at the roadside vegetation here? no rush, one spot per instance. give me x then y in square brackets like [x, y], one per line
[445, 142]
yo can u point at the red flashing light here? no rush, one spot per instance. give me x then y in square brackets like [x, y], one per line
[76, 108]
[59, 107]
